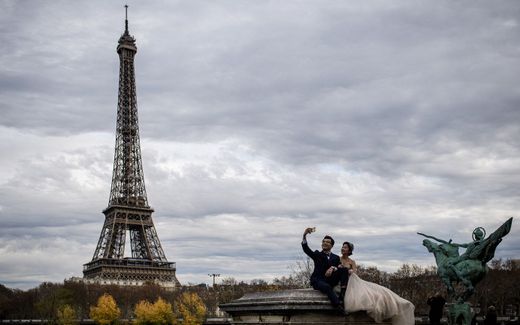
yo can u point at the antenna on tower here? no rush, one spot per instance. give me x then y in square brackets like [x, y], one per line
[126, 18]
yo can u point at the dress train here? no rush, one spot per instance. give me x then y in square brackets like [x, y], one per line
[379, 302]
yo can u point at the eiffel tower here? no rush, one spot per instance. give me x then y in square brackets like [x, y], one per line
[128, 213]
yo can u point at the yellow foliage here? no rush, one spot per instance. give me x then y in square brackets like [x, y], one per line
[142, 312]
[160, 312]
[67, 315]
[191, 308]
[106, 311]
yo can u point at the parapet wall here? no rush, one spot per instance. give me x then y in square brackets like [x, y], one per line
[291, 307]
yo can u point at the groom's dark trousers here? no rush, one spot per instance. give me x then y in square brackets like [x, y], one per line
[322, 262]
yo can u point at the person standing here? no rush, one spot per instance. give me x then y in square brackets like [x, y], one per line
[326, 273]
[491, 316]
[436, 303]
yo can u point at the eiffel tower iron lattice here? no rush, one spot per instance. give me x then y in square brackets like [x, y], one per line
[128, 212]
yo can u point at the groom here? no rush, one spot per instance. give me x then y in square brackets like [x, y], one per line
[326, 273]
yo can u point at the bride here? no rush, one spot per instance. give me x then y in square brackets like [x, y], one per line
[379, 302]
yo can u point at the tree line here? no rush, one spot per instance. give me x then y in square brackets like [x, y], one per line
[500, 288]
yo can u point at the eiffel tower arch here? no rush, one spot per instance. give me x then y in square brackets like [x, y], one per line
[128, 213]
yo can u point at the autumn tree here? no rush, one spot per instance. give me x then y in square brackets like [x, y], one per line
[372, 274]
[66, 315]
[50, 297]
[301, 272]
[191, 308]
[500, 287]
[160, 312]
[143, 313]
[106, 311]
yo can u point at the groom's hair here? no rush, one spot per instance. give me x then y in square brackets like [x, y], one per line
[331, 239]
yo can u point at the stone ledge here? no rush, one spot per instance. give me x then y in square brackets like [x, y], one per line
[290, 307]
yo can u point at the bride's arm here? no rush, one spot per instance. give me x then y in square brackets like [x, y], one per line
[354, 267]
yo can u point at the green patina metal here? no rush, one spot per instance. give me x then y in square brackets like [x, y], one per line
[460, 313]
[468, 268]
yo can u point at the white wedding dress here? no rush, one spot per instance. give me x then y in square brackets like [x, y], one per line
[379, 302]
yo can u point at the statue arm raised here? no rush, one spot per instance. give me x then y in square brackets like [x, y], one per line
[434, 238]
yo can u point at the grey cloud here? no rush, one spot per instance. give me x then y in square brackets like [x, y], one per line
[370, 121]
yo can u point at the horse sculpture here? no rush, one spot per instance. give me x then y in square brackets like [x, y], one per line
[470, 267]
[469, 272]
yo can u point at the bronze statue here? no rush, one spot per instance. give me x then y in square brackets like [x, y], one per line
[470, 267]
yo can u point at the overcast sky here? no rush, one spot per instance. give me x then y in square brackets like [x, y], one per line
[371, 120]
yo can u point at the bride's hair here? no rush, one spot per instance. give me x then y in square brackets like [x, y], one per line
[350, 247]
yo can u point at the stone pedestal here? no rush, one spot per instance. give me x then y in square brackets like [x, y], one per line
[291, 307]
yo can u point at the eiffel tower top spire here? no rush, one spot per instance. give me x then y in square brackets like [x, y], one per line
[126, 40]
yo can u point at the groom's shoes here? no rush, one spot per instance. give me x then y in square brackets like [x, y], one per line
[341, 309]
